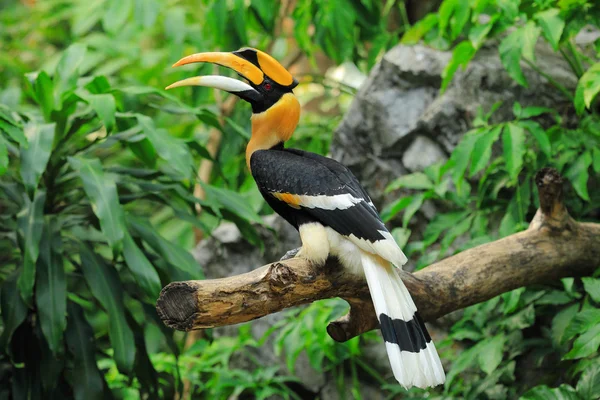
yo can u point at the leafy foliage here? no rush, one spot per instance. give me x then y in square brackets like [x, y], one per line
[98, 207]
[486, 190]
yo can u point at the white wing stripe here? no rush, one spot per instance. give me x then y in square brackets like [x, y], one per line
[324, 202]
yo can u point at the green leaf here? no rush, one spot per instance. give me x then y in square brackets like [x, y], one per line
[104, 105]
[116, 14]
[233, 202]
[413, 207]
[390, 210]
[478, 33]
[30, 221]
[334, 29]
[401, 236]
[513, 139]
[588, 386]
[587, 87]
[539, 134]
[552, 25]
[86, 379]
[511, 300]
[418, 30]
[578, 174]
[51, 289]
[141, 268]
[217, 18]
[543, 392]
[14, 131]
[43, 89]
[490, 353]
[455, 14]
[417, 180]
[239, 20]
[177, 256]
[555, 298]
[3, 156]
[462, 155]
[586, 344]
[35, 157]
[582, 322]
[266, 12]
[67, 72]
[14, 310]
[102, 193]
[482, 150]
[172, 150]
[238, 129]
[596, 159]
[592, 287]
[520, 43]
[105, 285]
[441, 222]
[462, 362]
[530, 112]
[560, 323]
[146, 11]
[461, 55]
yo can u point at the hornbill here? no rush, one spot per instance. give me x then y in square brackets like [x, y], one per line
[325, 202]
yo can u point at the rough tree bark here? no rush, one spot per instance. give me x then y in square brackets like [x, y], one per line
[553, 246]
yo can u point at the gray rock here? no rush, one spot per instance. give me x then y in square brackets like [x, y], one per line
[399, 121]
[421, 153]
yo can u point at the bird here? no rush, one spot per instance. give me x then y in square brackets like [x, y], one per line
[326, 203]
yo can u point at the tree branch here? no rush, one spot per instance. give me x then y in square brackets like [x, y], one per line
[553, 246]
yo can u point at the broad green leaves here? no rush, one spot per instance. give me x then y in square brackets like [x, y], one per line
[335, 26]
[173, 151]
[552, 25]
[51, 288]
[519, 44]
[102, 193]
[67, 73]
[105, 285]
[462, 54]
[592, 287]
[513, 140]
[30, 221]
[104, 105]
[563, 392]
[117, 13]
[141, 268]
[85, 377]
[35, 157]
[482, 150]
[14, 310]
[578, 174]
[588, 386]
[587, 88]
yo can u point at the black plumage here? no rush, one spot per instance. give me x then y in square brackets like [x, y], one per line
[302, 173]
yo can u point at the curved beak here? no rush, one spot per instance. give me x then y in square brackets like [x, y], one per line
[240, 65]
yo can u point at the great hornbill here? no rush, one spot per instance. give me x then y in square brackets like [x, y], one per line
[325, 202]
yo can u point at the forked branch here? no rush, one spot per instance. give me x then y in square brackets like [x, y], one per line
[553, 246]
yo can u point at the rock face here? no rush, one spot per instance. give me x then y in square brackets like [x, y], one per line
[398, 123]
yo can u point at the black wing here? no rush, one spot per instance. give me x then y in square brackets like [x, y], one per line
[304, 186]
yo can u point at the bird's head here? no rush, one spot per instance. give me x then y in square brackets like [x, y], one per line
[269, 86]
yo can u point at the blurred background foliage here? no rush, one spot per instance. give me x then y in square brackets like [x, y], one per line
[107, 182]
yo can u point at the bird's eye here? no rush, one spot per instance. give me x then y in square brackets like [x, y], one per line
[267, 86]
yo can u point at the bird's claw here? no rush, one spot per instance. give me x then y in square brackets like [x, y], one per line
[290, 254]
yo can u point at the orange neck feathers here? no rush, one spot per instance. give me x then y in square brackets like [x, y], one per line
[273, 126]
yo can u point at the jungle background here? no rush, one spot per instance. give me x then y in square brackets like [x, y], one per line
[108, 183]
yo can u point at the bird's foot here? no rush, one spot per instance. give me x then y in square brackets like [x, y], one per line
[290, 254]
